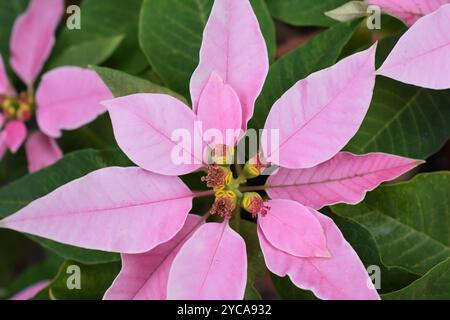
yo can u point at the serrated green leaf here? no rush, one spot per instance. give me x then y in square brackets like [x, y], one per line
[304, 12]
[409, 221]
[75, 165]
[320, 52]
[170, 34]
[434, 285]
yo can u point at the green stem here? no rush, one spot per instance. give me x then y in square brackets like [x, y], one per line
[201, 194]
[253, 188]
[30, 91]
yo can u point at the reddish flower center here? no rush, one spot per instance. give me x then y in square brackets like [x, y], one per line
[254, 204]
[17, 108]
[215, 177]
[223, 206]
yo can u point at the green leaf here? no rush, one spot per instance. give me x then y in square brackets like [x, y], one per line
[75, 165]
[89, 52]
[256, 266]
[362, 241]
[320, 52]
[170, 34]
[403, 119]
[9, 11]
[392, 278]
[123, 84]
[288, 291]
[13, 166]
[44, 270]
[105, 19]
[434, 285]
[94, 281]
[267, 26]
[408, 220]
[304, 12]
[13, 245]
[96, 135]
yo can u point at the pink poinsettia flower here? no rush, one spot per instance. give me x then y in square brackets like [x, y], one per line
[421, 56]
[409, 10]
[31, 291]
[143, 212]
[67, 97]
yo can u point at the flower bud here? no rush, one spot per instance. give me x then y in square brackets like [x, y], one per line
[253, 203]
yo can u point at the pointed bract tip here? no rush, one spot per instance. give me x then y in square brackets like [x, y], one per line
[420, 162]
[324, 254]
[107, 103]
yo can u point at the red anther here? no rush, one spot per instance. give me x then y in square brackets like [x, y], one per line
[223, 207]
[254, 204]
[215, 177]
[258, 206]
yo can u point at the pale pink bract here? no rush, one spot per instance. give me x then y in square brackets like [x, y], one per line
[409, 10]
[420, 57]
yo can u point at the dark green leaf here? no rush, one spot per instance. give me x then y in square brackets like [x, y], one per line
[89, 52]
[171, 33]
[9, 11]
[434, 285]
[13, 246]
[304, 12]
[94, 281]
[288, 291]
[105, 19]
[320, 52]
[97, 135]
[267, 26]
[122, 84]
[12, 167]
[45, 270]
[75, 165]
[409, 221]
[392, 278]
[255, 260]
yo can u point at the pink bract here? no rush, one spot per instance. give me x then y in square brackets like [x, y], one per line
[421, 55]
[409, 10]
